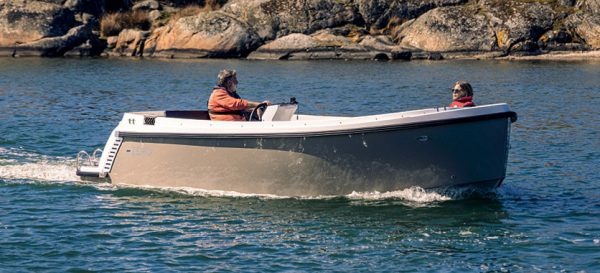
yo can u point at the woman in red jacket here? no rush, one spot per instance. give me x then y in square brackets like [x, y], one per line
[462, 95]
[224, 103]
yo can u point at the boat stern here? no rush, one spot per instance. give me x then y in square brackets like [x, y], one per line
[97, 166]
[88, 166]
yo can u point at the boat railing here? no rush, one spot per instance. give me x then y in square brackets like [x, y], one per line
[85, 159]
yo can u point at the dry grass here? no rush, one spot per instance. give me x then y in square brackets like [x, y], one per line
[214, 4]
[194, 9]
[394, 28]
[185, 12]
[112, 24]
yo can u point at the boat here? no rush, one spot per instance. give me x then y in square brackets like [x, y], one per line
[291, 154]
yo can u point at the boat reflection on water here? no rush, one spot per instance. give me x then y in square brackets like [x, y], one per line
[289, 154]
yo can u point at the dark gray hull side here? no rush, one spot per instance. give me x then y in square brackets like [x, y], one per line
[437, 155]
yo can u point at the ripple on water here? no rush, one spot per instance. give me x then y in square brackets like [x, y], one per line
[543, 218]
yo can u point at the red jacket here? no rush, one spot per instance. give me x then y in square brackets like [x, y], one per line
[463, 102]
[221, 101]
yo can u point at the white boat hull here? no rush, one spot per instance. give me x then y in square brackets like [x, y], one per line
[399, 153]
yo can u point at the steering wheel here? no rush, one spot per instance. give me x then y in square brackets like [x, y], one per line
[257, 112]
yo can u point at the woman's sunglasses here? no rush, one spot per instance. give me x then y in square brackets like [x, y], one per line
[454, 90]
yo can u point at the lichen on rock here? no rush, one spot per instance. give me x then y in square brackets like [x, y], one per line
[28, 21]
[298, 29]
[276, 18]
[516, 22]
[449, 29]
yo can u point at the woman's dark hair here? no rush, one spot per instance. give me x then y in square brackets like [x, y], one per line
[466, 87]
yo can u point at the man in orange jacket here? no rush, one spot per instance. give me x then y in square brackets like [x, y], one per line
[224, 103]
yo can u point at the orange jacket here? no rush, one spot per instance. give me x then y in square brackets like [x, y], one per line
[221, 101]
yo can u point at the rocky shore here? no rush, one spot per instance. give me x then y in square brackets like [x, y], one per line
[302, 29]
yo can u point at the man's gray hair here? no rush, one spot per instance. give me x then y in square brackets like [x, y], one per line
[224, 76]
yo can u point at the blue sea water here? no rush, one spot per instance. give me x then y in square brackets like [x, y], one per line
[544, 218]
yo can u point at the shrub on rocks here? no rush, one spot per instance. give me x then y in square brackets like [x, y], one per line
[189, 10]
[112, 24]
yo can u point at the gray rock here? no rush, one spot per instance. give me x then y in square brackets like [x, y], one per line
[276, 18]
[94, 7]
[555, 37]
[591, 7]
[130, 42]
[331, 29]
[518, 23]
[384, 44]
[154, 15]
[318, 46]
[449, 29]
[111, 42]
[282, 48]
[568, 3]
[86, 18]
[404, 54]
[525, 48]
[379, 42]
[28, 21]
[91, 47]
[589, 31]
[146, 5]
[56, 2]
[210, 34]
[55, 46]
[585, 25]
[378, 13]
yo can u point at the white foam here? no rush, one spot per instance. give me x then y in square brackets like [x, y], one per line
[19, 153]
[465, 233]
[413, 194]
[40, 171]
[23, 165]
[204, 193]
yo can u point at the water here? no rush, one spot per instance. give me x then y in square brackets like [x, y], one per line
[545, 217]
